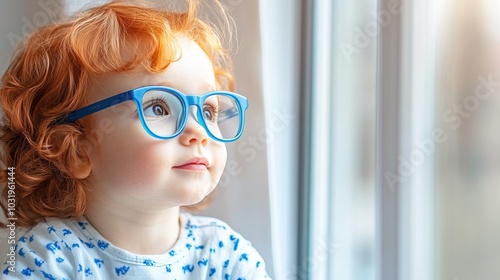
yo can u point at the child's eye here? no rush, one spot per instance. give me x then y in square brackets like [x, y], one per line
[156, 108]
[210, 112]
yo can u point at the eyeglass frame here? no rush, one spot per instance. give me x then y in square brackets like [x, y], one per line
[187, 101]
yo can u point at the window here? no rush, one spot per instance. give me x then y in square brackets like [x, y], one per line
[342, 153]
[401, 140]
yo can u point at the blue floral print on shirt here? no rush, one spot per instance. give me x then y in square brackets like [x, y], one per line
[72, 249]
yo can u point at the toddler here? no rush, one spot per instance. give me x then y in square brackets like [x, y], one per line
[114, 122]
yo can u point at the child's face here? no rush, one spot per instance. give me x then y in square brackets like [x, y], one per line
[132, 168]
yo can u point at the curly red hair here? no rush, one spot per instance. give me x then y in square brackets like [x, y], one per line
[49, 77]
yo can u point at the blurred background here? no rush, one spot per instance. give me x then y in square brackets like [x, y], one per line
[372, 145]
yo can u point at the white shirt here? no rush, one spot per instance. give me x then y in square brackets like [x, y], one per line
[72, 249]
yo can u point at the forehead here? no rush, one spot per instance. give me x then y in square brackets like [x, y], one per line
[192, 73]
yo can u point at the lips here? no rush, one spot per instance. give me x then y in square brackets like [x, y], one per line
[195, 164]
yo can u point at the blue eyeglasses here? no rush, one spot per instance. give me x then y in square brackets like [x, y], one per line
[164, 111]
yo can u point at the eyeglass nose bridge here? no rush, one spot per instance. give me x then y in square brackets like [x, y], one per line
[194, 109]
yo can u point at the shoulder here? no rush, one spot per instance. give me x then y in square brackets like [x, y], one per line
[39, 251]
[220, 242]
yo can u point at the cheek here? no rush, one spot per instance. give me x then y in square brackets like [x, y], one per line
[219, 157]
[129, 158]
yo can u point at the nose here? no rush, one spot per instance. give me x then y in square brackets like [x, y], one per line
[193, 132]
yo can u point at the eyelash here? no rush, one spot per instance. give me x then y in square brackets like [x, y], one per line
[214, 106]
[155, 101]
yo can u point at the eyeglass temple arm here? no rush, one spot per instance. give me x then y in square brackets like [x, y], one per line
[95, 107]
[228, 114]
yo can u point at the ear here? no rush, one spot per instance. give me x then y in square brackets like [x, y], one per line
[82, 169]
[82, 165]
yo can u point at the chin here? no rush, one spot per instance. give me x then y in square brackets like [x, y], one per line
[201, 205]
[192, 198]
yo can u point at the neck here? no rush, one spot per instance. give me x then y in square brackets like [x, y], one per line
[152, 232]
